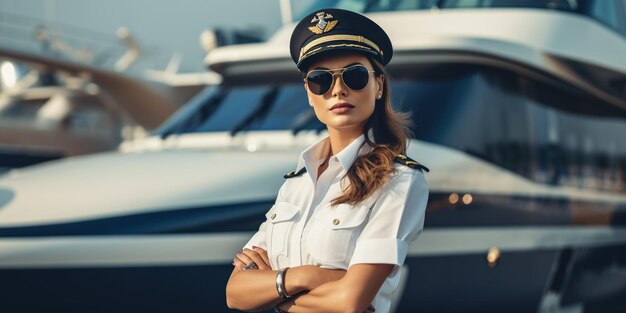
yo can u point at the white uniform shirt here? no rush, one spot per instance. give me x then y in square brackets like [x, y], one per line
[302, 229]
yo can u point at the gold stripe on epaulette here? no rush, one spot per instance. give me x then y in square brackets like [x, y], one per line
[295, 173]
[324, 39]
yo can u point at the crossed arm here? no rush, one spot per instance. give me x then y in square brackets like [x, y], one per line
[313, 289]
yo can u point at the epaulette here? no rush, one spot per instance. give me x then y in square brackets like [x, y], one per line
[405, 160]
[295, 174]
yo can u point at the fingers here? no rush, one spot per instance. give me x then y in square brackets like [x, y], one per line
[238, 264]
[243, 257]
[241, 260]
[247, 256]
[255, 257]
[263, 255]
[287, 304]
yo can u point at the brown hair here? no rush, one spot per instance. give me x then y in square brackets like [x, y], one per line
[371, 171]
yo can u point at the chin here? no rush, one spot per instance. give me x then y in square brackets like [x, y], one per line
[345, 123]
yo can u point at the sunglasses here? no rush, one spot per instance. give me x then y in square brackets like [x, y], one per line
[354, 77]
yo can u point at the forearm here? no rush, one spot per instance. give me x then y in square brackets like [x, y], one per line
[330, 297]
[352, 293]
[253, 290]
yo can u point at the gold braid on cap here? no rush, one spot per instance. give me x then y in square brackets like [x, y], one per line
[304, 51]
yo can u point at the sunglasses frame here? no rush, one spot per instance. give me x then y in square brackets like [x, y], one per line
[338, 71]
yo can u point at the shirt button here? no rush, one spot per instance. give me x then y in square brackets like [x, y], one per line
[336, 221]
[273, 216]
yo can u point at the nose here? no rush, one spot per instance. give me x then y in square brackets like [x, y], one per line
[338, 89]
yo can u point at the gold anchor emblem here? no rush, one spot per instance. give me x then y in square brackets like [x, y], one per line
[323, 24]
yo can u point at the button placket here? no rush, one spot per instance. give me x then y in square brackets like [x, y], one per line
[309, 188]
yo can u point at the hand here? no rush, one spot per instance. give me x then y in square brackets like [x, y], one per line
[256, 255]
[286, 305]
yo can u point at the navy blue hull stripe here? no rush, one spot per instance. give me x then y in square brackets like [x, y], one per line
[483, 211]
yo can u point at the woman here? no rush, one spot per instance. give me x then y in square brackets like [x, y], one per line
[344, 219]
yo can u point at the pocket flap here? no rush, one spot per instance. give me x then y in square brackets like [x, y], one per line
[282, 211]
[347, 216]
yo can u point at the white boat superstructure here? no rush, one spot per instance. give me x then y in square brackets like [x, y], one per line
[543, 40]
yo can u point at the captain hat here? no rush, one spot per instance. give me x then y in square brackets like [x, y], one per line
[332, 29]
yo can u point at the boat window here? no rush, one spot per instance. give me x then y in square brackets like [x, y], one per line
[235, 107]
[611, 13]
[539, 4]
[194, 112]
[291, 102]
[238, 107]
[518, 125]
[545, 133]
[302, 8]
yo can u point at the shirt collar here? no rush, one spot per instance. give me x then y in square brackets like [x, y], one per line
[314, 155]
[356, 148]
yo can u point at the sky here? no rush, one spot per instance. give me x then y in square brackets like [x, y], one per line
[162, 27]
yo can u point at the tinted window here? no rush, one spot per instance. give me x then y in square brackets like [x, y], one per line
[518, 125]
[245, 108]
[548, 134]
[290, 106]
[234, 108]
[611, 13]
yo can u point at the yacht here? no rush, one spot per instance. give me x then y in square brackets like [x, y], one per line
[518, 110]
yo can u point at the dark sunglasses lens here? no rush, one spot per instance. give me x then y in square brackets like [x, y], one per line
[356, 77]
[319, 82]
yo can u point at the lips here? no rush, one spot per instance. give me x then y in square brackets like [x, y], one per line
[341, 106]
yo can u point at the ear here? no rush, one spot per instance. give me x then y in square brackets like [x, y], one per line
[308, 95]
[380, 82]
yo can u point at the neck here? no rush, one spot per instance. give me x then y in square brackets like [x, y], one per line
[341, 138]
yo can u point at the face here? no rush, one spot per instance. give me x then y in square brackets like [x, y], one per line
[340, 107]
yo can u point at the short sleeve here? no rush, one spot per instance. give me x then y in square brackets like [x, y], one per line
[396, 219]
[258, 239]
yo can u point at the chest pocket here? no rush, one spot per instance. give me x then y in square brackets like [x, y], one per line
[281, 218]
[334, 232]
